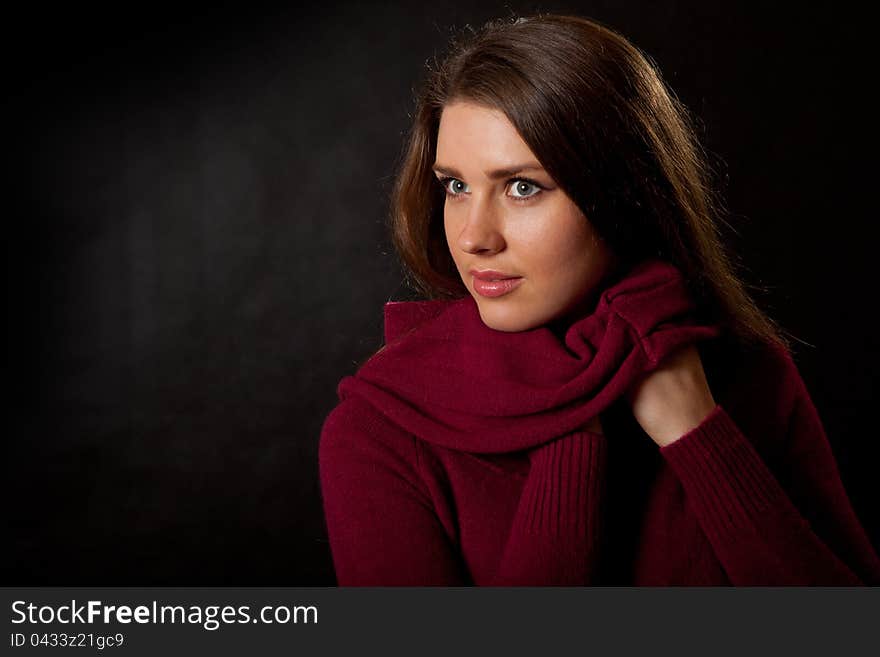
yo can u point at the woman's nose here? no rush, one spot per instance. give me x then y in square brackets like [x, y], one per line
[481, 231]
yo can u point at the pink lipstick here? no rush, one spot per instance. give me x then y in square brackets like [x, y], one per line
[490, 283]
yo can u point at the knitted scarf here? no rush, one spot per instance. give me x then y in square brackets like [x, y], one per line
[450, 380]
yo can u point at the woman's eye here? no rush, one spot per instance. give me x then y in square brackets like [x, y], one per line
[452, 186]
[456, 186]
[522, 187]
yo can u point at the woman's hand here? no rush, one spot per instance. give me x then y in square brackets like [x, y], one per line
[672, 399]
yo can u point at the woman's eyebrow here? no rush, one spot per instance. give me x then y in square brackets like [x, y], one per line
[492, 175]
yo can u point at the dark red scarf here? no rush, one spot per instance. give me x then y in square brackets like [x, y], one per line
[448, 379]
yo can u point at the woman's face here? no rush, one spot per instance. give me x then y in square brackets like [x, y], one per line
[504, 213]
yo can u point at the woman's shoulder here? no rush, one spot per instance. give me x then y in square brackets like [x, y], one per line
[354, 430]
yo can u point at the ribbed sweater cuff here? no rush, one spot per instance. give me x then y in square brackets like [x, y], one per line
[726, 482]
[562, 495]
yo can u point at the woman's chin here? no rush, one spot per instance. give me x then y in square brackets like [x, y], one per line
[506, 317]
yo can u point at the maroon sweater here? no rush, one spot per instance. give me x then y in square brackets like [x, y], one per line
[752, 496]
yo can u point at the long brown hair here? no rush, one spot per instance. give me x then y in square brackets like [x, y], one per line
[595, 111]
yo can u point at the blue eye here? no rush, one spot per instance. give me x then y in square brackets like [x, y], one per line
[520, 184]
[454, 188]
[456, 185]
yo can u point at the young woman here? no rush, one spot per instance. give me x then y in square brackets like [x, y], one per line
[587, 395]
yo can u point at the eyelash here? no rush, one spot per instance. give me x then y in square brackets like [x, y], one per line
[444, 182]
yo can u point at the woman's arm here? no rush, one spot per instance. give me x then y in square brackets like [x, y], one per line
[384, 530]
[760, 531]
[556, 529]
[381, 522]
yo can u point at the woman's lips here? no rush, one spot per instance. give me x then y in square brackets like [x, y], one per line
[496, 288]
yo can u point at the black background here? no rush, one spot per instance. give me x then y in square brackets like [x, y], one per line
[196, 253]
